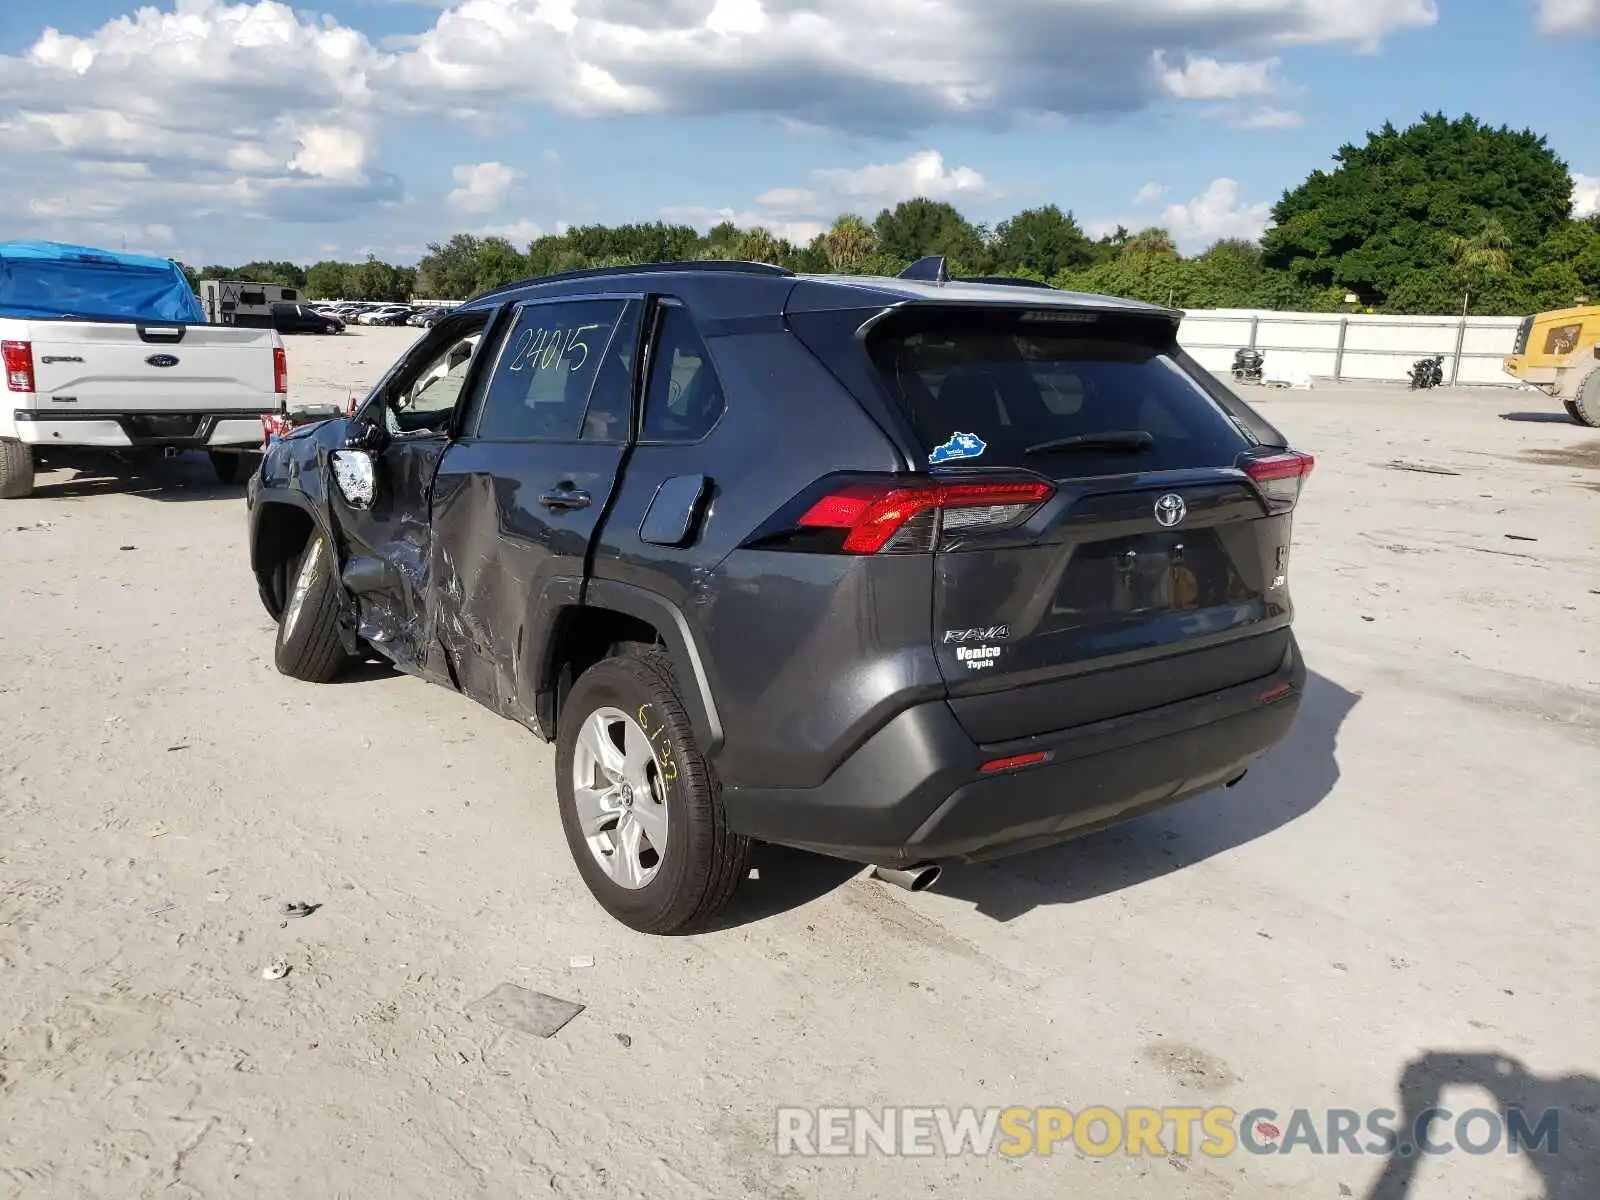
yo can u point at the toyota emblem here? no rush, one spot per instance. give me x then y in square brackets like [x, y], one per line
[1170, 509]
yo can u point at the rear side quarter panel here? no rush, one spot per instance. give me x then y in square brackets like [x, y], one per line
[799, 651]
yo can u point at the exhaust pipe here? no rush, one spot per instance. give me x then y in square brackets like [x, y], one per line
[1236, 780]
[914, 879]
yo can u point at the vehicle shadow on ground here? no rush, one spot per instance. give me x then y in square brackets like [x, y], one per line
[1287, 784]
[1540, 418]
[1568, 1165]
[187, 477]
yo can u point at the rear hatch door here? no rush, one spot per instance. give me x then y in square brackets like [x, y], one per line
[1154, 573]
[88, 366]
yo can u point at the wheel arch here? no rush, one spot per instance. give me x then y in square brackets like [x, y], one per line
[280, 525]
[582, 624]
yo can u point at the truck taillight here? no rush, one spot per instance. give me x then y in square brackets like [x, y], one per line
[899, 515]
[280, 371]
[19, 365]
[1279, 477]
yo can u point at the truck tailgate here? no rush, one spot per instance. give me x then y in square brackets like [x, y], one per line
[127, 368]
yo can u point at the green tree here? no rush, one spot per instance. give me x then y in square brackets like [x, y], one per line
[328, 281]
[1154, 240]
[848, 243]
[759, 245]
[1391, 208]
[920, 227]
[1042, 240]
[498, 263]
[449, 270]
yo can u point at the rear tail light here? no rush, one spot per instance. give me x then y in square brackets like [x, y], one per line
[19, 365]
[280, 371]
[900, 516]
[1279, 477]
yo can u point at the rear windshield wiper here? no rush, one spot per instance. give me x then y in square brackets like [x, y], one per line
[1127, 439]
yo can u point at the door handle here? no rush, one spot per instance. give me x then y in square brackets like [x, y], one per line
[564, 499]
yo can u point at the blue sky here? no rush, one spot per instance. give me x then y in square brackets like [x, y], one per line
[220, 131]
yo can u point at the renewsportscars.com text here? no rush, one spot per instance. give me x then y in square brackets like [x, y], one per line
[1217, 1132]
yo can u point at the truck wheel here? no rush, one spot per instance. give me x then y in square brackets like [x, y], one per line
[308, 628]
[16, 469]
[1585, 404]
[233, 466]
[642, 812]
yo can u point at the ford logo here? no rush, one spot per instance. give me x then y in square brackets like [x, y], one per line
[162, 360]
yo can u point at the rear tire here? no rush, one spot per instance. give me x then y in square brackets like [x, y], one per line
[308, 644]
[231, 467]
[1585, 404]
[16, 469]
[697, 870]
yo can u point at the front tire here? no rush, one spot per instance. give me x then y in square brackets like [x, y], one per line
[16, 469]
[641, 809]
[308, 644]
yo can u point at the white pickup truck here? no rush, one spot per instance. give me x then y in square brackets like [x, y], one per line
[111, 351]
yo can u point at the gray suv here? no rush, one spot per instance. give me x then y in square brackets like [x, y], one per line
[902, 570]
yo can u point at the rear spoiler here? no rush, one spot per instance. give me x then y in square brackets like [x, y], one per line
[935, 269]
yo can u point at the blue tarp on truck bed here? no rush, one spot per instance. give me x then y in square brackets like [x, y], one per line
[56, 281]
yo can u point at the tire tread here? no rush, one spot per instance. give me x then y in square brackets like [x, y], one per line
[16, 469]
[314, 654]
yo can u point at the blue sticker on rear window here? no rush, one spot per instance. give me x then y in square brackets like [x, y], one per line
[960, 445]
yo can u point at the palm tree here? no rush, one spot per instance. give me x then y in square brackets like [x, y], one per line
[1487, 252]
[758, 245]
[849, 243]
[1153, 241]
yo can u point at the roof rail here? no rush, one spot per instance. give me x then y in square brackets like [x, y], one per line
[929, 270]
[1005, 281]
[729, 266]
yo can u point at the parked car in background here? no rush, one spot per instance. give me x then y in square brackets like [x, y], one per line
[907, 571]
[302, 318]
[113, 351]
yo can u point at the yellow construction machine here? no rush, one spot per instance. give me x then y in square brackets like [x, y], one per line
[1559, 353]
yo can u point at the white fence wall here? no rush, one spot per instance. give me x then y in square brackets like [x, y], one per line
[1356, 346]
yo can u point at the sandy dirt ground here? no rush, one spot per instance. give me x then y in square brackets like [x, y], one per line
[1408, 880]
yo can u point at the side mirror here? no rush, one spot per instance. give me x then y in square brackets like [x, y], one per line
[366, 434]
[356, 475]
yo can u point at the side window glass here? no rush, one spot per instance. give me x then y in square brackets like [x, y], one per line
[611, 401]
[541, 384]
[684, 397]
[427, 402]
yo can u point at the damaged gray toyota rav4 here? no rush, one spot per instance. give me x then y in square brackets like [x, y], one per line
[906, 570]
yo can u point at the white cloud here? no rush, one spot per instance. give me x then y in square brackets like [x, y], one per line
[329, 152]
[1268, 117]
[921, 174]
[481, 187]
[1210, 79]
[1150, 193]
[255, 110]
[1560, 17]
[518, 233]
[1215, 213]
[1585, 195]
[894, 65]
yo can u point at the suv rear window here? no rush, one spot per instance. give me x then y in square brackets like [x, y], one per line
[982, 389]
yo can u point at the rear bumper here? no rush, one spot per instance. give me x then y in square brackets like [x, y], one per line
[915, 791]
[185, 430]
